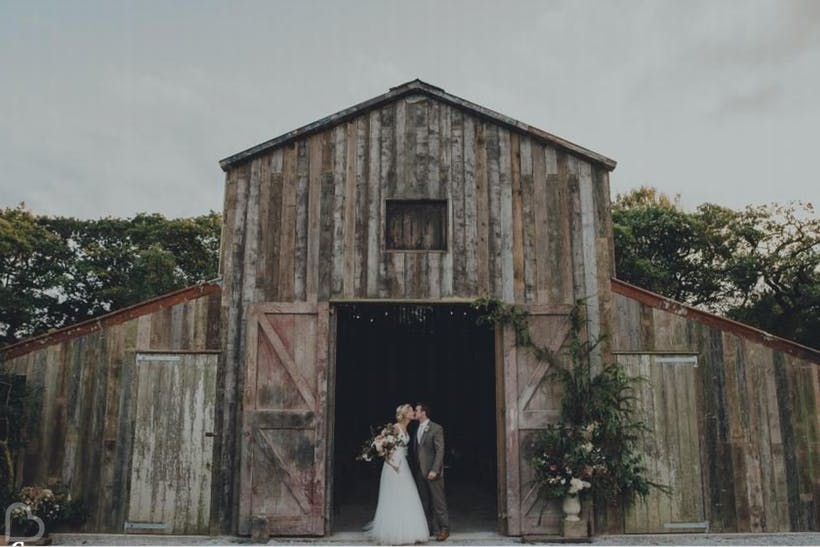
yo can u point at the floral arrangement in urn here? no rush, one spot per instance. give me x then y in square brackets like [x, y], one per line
[380, 444]
[566, 461]
[594, 447]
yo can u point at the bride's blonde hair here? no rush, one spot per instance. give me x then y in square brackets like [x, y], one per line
[401, 410]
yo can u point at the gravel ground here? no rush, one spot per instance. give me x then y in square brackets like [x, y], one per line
[456, 539]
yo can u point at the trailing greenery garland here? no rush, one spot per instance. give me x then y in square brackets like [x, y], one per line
[594, 444]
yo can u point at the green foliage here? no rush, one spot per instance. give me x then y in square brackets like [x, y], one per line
[55, 271]
[495, 312]
[594, 443]
[32, 265]
[19, 417]
[6, 479]
[760, 265]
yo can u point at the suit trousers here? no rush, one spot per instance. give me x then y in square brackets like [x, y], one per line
[434, 502]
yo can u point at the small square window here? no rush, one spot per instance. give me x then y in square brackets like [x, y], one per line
[416, 225]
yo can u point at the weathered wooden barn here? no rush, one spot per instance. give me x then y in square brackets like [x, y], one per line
[351, 250]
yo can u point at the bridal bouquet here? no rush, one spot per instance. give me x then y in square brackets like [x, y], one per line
[380, 444]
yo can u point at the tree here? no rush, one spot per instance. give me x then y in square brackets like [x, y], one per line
[760, 265]
[55, 271]
[33, 263]
[662, 248]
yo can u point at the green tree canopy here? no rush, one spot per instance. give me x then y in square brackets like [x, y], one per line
[760, 265]
[55, 271]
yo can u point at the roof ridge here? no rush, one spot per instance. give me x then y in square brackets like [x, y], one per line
[407, 88]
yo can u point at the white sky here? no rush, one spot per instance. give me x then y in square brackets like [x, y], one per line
[118, 107]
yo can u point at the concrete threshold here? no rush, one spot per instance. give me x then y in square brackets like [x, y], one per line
[456, 538]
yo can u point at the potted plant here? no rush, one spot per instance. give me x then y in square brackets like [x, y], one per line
[39, 511]
[593, 448]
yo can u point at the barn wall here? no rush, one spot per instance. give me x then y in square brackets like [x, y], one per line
[528, 223]
[86, 384]
[757, 417]
[304, 222]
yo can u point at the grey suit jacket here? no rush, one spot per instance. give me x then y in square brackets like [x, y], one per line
[430, 451]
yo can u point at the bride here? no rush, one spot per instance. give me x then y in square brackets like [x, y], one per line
[399, 514]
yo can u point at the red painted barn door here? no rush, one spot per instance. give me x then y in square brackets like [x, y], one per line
[285, 419]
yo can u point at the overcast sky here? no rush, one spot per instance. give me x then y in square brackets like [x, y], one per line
[118, 107]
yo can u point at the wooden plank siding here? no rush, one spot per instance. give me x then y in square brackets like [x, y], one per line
[753, 415]
[85, 420]
[527, 221]
[507, 195]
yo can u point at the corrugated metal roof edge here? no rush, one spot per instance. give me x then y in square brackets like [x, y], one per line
[113, 318]
[743, 330]
[410, 88]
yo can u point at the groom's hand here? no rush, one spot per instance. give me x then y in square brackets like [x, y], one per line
[431, 476]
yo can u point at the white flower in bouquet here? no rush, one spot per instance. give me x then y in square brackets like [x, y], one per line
[576, 485]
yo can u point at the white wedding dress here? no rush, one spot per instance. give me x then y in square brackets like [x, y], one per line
[399, 516]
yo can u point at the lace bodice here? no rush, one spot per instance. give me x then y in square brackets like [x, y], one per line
[401, 448]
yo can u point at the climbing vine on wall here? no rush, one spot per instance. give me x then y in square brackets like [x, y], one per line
[594, 445]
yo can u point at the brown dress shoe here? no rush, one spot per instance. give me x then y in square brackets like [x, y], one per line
[444, 534]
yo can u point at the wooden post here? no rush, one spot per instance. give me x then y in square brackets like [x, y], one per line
[259, 529]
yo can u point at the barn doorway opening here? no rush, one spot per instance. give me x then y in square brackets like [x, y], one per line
[389, 353]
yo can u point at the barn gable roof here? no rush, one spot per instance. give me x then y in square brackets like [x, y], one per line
[417, 87]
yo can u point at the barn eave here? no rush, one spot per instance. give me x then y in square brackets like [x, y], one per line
[418, 87]
[107, 320]
[742, 330]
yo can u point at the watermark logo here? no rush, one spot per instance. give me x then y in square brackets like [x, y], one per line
[41, 527]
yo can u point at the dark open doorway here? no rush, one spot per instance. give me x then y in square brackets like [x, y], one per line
[387, 354]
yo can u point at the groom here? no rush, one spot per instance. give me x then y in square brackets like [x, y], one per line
[428, 445]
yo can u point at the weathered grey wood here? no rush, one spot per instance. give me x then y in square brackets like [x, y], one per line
[543, 236]
[287, 246]
[590, 257]
[456, 195]
[517, 208]
[528, 221]
[433, 186]
[511, 432]
[505, 217]
[339, 186]
[232, 315]
[348, 246]
[84, 422]
[387, 180]
[363, 201]
[172, 455]
[374, 208]
[249, 260]
[422, 89]
[285, 425]
[326, 235]
[471, 220]
[538, 402]
[302, 223]
[442, 273]
[494, 207]
[314, 211]
[272, 240]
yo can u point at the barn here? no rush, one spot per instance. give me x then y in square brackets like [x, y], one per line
[352, 249]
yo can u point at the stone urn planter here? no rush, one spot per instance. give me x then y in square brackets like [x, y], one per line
[572, 525]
